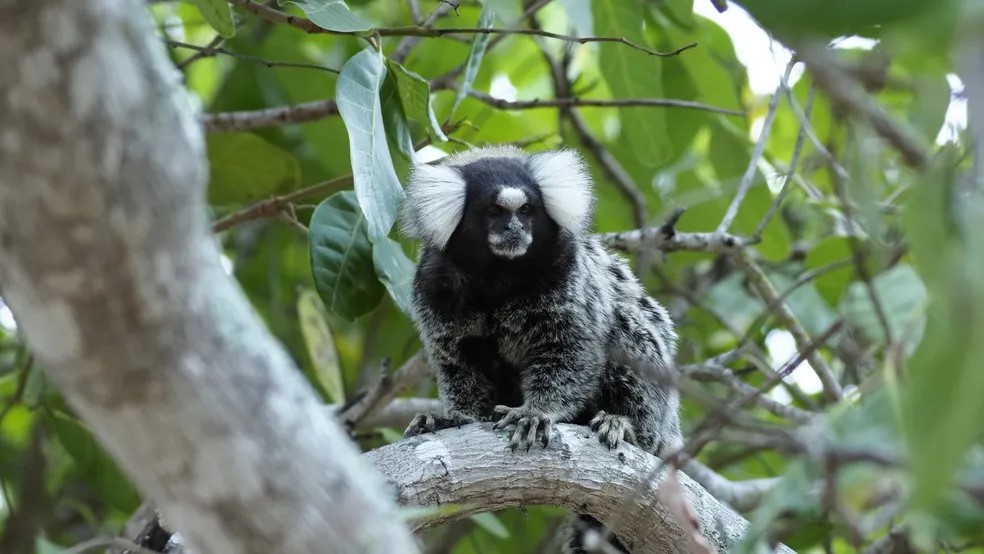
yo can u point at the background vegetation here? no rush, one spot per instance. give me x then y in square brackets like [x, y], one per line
[839, 276]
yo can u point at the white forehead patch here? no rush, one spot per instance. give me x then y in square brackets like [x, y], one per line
[511, 198]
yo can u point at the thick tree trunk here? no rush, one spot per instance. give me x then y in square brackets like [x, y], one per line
[107, 261]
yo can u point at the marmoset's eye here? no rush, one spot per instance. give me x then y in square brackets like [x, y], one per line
[495, 210]
[525, 209]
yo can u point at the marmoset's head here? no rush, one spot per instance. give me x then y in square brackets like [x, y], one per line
[498, 199]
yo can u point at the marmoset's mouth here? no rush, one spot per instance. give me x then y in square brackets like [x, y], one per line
[511, 244]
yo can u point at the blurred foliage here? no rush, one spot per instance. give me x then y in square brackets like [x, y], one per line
[905, 276]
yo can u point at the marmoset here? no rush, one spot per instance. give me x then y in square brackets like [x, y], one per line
[524, 315]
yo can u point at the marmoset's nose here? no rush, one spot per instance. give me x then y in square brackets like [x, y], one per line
[515, 225]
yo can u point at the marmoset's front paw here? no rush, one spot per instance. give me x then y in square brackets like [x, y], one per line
[530, 426]
[432, 423]
[612, 429]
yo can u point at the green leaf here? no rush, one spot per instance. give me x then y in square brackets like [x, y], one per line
[903, 298]
[341, 257]
[333, 15]
[376, 184]
[632, 74]
[475, 55]
[681, 10]
[395, 270]
[320, 344]
[490, 523]
[412, 513]
[943, 408]
[395, 120]
[44, 546]
[416, 99]
[100, 470]
[832, 18]
[244, 168]
[218, 13]
[390, 435]
[928, 112]
[832, 284]
[36, 387]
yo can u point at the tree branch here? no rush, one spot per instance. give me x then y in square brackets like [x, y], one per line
[385, 390]
[793, 164]
[473, 468]
[319, 109]
[397, 413]
[271, 207]
[749, 175]
[117, 285]
[308, 26]
[578, 102]
[211, 50]
[656, 238]
[760, 282]
[708, 372]
[269, 117]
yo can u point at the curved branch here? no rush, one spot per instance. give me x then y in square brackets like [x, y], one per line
[473, 468]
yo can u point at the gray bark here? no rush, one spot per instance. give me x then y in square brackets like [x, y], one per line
[474, 468]
[107, 261]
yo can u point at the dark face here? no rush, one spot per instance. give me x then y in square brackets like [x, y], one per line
[504, 212]
[510, 223]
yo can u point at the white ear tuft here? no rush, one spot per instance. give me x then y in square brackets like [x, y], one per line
[566, 188]
[434, 203]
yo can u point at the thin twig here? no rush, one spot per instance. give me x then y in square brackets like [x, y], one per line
[406, 45]
[269, 117]
[710, 372]
[859, 260]
[278, 205]
[384, 390]
[318, 109]
[304, 24]
[578, 102]
[793, 164]
[214, 50]
[214, 43]
[274, 206]
[760, 282]
[758, 357]
[769, 308]
[815, 140]
[749, 176]
[528, 14]
[711, 427]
